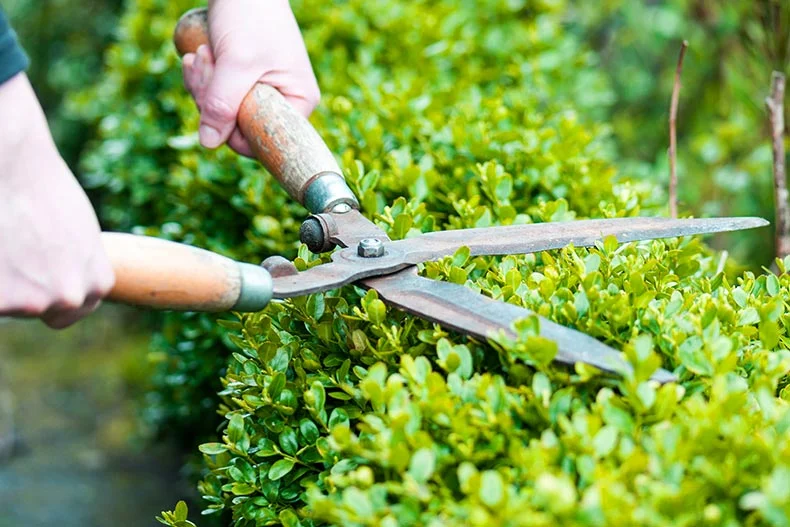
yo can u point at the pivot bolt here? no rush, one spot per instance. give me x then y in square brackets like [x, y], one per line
[370, 248]
[312, 234]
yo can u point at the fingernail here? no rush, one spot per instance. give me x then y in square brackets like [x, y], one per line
[209, 136]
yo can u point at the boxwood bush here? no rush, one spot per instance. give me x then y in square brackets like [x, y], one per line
[333, 408]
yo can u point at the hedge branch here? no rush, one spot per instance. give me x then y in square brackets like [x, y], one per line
[775, 105]
[673, 115]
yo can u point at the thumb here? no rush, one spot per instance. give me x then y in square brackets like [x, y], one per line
[223, 97]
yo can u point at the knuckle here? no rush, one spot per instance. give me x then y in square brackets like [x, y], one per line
[218, 109]
[243, 57]
[105, 285]
[69, 300]
[237, 54]
[313, 96]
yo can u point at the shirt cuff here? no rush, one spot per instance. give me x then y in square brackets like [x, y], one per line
[12, 58]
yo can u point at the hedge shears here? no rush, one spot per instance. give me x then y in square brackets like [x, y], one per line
[162, 274]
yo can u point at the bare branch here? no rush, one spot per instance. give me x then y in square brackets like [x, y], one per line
[673, 115]
[775, 105]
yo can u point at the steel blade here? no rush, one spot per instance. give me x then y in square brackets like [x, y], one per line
[536, 237]
[347, 267]
[459, 308]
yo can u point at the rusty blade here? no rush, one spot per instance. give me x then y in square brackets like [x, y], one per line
[461, 309]
[347, 267]
[536, 237]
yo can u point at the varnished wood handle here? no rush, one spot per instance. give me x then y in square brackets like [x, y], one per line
[281, 138]
[161, 274]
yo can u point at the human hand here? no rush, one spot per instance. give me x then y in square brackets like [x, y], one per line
[52, 262]
[253, 41]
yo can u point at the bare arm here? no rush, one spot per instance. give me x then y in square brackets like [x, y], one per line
[52, 262]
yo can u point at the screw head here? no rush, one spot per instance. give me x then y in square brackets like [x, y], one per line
[370, 248]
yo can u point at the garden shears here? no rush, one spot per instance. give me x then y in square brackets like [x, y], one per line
[168, 275]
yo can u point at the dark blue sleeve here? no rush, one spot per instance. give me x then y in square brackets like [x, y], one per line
[12, 57]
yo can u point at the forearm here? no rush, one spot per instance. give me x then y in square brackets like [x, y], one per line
[52, 261]
[25, 127]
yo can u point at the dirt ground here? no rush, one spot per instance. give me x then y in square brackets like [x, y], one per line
[71, 451]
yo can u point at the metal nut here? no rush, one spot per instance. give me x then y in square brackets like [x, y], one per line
[370, 248]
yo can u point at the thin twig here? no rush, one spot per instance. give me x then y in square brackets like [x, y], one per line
[673, 116]
[775, 105]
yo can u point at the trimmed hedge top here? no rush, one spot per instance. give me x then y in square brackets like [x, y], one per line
[339, 410]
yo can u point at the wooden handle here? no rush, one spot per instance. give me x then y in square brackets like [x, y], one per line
[280, 137]
[160, 274]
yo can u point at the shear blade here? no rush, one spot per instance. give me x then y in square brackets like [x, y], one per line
[347, 267]
[461, 309]
[536, 237]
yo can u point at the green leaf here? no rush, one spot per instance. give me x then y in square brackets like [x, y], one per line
[492, 488]
[266, 447]
[358, 502]
[242, 489]
[466, 472]
[619, 418]
[457, 275]
[232, 325]
[461, 257]
[319, 395]
[541, 387]
[772, 285]
[693, 357]
[247, 471]
[769, 334]
[280, 360]
[376, 310]
[647, 394]
[740, 296]
[309, 430]
[288, 441]
[401, 226]
[422, 465]
[541, 350]
[236, 428]
[752, 501]
[276, 385]
[280, 468]
[749, 316]
[181, 511]
[213, 449]
[605, 440]
[339, 417]
[591, 263]
[289, 519]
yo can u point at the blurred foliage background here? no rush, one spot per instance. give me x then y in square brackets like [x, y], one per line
[724, 154]
[65, 40]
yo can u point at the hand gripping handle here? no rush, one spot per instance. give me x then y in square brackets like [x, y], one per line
[160, 274]
[281, 138]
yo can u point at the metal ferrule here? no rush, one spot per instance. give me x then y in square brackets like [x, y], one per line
[256, 288]
[327, 191]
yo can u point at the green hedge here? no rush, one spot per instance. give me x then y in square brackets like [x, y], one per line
[155, 179]
[335, 409]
